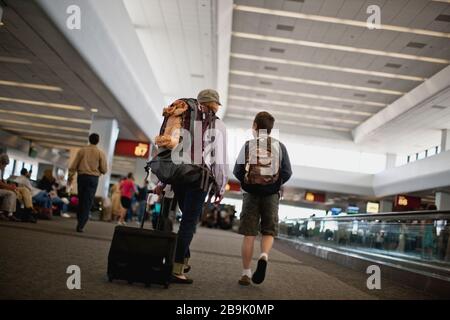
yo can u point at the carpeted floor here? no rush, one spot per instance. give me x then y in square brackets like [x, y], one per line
[34, 259]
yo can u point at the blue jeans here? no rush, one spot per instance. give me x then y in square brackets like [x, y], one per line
[141, 210]
[87, 186]
[191, 202]
[42, 199]
[63, 208]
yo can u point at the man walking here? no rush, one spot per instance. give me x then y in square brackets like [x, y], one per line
[89, 163]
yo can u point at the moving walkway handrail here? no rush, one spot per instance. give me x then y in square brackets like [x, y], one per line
[405, 215]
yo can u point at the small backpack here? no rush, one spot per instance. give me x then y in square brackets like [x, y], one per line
[262, 161]
[181, 114]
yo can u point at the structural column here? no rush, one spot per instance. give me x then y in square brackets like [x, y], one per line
[390, 160]
[108, 130]
[445, 140]
[386, 206]
[443, 200]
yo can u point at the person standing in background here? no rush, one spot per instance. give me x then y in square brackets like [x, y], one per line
[115, 199]
[127, 190]
[142, 201]
[89, 163]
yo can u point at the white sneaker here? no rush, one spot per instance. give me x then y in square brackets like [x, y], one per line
[121, 223]
[65, 215]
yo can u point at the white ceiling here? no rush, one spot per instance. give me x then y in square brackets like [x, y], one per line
[48, 94]
[294, 76]
[177, 37]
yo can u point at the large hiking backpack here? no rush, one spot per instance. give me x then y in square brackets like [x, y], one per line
[182, 114]
[262, 161]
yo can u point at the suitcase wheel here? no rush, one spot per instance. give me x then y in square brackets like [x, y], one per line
[147, 285]
[130, 282]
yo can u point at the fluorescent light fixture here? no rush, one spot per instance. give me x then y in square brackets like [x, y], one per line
[56, 145]
[315, 82]
[348, 22]
[308, 95]
[292, 123]
[14, 60]
[42, 125]
[29, 85]
[46, 133]
[296, 115]
[42, 103]
[446, 1]
[45, 116]
[339, 47]
[326, 67]
[299, 106]
[94, 110]
[37, 139]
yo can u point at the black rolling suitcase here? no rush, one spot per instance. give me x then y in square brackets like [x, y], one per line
[141, 255]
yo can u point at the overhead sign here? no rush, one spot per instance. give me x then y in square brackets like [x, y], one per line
[403, 202]
[131, 148]
[314, 197]
[373, 207]
[352, 210]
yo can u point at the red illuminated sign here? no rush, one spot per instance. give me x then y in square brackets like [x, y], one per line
[404, 203]
[314, 197]
[131, 148]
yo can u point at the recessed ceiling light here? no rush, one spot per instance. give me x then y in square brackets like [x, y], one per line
[393, 65]
[14, 60]
[296, 115]
[417, 45]
[43, 125]
[46, 133]
[339, 47]
[284, 27]
[45, 116]
[315, 82]
[277, 50]
[270, 68]
[349, 22]
[293, 123]
[94, 110]
[29, 85]
[37, 139]
[307, 95]
[42, 103]
[300, 106]
[326, 67]
[443, 18]
[439, 107]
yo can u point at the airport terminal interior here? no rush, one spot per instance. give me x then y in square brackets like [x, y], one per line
[360, 94]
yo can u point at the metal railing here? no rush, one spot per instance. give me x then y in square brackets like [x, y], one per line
[420, 236]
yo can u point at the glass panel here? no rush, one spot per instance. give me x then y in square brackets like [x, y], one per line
[419, 236]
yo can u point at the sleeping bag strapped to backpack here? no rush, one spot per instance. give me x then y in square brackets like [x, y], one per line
[182, 115]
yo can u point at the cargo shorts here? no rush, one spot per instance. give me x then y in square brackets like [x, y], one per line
[259, 214]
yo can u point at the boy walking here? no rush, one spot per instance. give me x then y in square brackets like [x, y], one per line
[262, 167]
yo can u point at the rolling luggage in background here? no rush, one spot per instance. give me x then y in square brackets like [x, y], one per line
[141, 255]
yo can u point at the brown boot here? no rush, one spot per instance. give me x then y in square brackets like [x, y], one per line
[244, 281]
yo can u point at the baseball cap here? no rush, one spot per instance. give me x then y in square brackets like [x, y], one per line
[208, 95]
